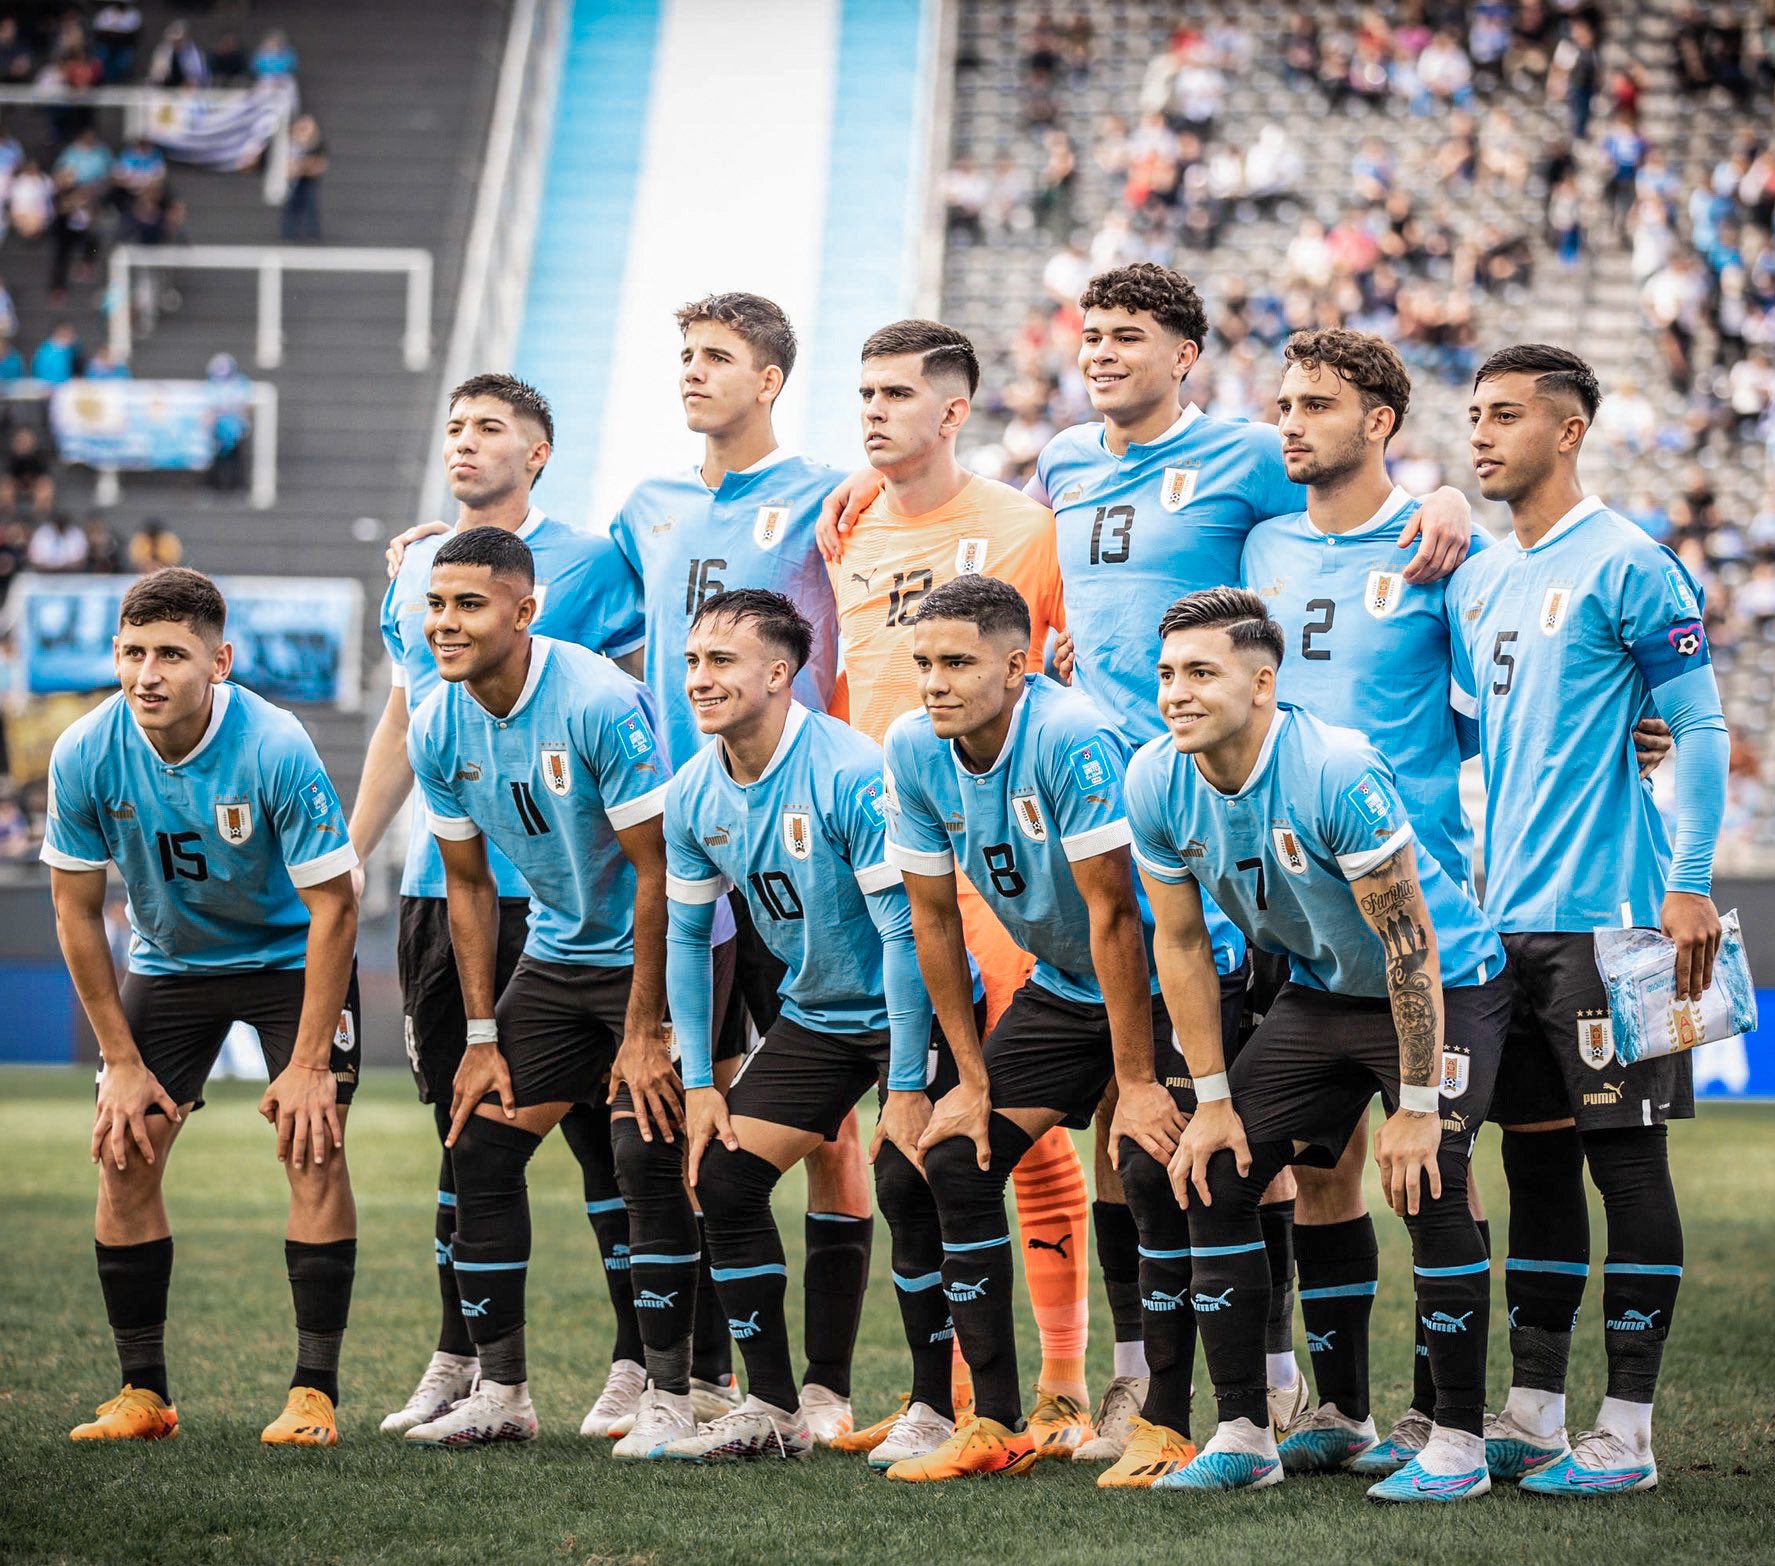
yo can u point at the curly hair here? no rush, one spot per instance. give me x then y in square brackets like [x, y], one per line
[1168, 297]
[1367, 362]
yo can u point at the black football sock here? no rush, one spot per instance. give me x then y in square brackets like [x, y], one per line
[911, 1213]
[1277, 1219]
[1339, 1272]
[1453, 1279]
[711, 1345]
[1423, 1384]
[135, 1280]
[453, 1335]
[1118, 1258]
[320, 1283]
[1168, 1320]
[1549, 1258]
[1230, 1282]
[586, 1130]
[1644, 1266]
[834, 1277]
[665, 1250]
[492, 1244]
[747, 1264]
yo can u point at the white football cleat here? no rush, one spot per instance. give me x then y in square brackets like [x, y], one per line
[613, 1414]
[490, 1413]
[826, 1415]
[1122, 1401]
[753, 1430]
[447, 1380]
[919, 1430]
[709, 1400]
[1325, 1440]
[1287, 1404]
[661, 1419]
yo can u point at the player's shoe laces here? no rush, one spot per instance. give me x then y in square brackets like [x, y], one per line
[1238, 1456]
[871, 1436]
[919, 1430]
[826, 1415]
[1060, 1424]
[135, 1414]
[1324, 1440]
[1153, 1451]
[613, 1414]
[753, 1430]
[490, 1413]
[1601, 1462]
[307, 1420]
[1115, 1419]
[1287, 1404]
[1514, 1452]
[660, 1419]
[1414, 1482]
[711, 1399]
[980, 1447]
[1403, 1442]
[447, 1379]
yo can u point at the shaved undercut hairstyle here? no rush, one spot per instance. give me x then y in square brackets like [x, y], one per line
[1241, 613]
[503, 553]
[1558, 372]
[779, 624]
[996, 607]
[176, 593]
[947, 352]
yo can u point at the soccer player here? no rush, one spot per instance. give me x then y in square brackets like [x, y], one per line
[1563, 634]
[1016, 780]
[1396, 985]
[217, 811]
[498, 436]
[787, 806]
[933, 522]
[548, 751]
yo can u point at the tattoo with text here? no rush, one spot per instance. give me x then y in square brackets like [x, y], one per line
[1409, 988]
[1391, 902]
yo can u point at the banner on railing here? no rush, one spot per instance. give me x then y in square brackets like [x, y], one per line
[134, 426]
[220, 133]
[296, 639]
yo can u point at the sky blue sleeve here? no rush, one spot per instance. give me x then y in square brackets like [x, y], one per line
[441, 804]
[1155, 845]
[916, 838]
[690, 988]
[625, 755]
[390, 626]
[1364, 820]
[304, 809]
[72, 836]
[1086, 764]
[1271, 492]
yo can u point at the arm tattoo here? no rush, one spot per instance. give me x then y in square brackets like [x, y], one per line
[1408, 983]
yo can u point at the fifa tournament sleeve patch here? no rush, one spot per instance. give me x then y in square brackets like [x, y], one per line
[1683, 593]
[318, 798]
[1372, 802]
[637, 738]
[1090, 766]
[872, 799]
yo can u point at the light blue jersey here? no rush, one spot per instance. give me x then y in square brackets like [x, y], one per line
[582, 596]
[1053, 796]
[211, 848]
[806, 845]
[1319, 811]
[1370, 651]
[1556, 652]
[684, 542]
[551, 783]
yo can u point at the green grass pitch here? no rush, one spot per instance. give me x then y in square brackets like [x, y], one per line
[216, 1495]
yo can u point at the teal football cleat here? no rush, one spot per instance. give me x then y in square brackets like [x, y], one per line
[1599, 1463]
[1403, 1442]
[1239, 1457]
[1513, 1452]
[1414, 1482]
[1325, 1441]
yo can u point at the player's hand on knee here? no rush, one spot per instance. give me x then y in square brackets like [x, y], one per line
[903, 1120]
[398, 545]
[1405, 1150]
[1215, 1127]
[1146, 1113]
[126, 1093]
[483, 1071]
[706, 1120]
[303, 1103]
[644, 1063]
[1694, 924]
[965, 1110]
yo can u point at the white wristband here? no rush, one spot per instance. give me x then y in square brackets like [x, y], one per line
[1420, 1100]
[1211, 1090]
[482, 1030]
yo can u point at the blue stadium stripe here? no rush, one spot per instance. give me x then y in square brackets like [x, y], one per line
[1465, 1270]
[508, 1266]
[768, 1270]
[446, 1198]
[976, 1245]
[1644, 1269]
[1526, 1264]
[1225, 1250]
[1343, 1291]
[656, 1259]
[612, 1204]
[1163, 1255]
[925, 1280]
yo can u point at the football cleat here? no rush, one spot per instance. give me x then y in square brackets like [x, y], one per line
[1599, 1463]
[979, 1448]
[1414, 1482]
[871, 1436]
[1513, 1452]
[753, 1430]
[1114, 1421]
[447, 1379]
[660, 1419]
[613, 1415]
[1153, 1451]
[1060, 1425]
[1324, 1440]
[135, 1414]
[1238, 1456]
[711, 1399]
[826, 1415]
[919, 1430]
[491, 1413]
[307, 1420]
[1403, 1442]
[1287, 1404]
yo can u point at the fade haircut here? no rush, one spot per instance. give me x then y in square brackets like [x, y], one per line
[946, 351]
[1367, 362]
[779, 624]
[1168, 297]
[502, 553]
[1238, 611]
[1558, 372]
[524, 400]
[760, 324]
[176, 593]
[993, 606]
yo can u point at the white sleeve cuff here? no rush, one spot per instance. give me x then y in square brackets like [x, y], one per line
[878, 878]
[626, 648]
[941, 862]
[453, 829]
[397, 676]
[1355, 866]
[57, 860]
[696, 893]
[336, 862]
[1099, 840]
[1467, 706]
[1176, 875]
[632, 812]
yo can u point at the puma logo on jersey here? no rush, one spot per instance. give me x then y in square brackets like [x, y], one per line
[717, 838]
[863, 577]
[1075, 493]
[124, 812]
[468, 772]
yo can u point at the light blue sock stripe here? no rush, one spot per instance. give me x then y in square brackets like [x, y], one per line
[656, 1259]
[975, 1245]
[1566, 1269]
[1225, 1250]
[446, 1198]
[925, 1280]
[1644, 1269]
[768, 1270]
[1163, 1255]
[841, 1218]
[510, 1266]
[1343, 1291]
[1465, 1270]
[612, 1204]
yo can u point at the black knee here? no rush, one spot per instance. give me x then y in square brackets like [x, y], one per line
[1233, 1198]
[647, 1173]
[734, 1189]
[956, 1178]
[1631, 1168]
[1145, 1181]
[900, 1190]
[489, 1160]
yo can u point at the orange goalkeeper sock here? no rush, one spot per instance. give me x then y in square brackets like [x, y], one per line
[1053, 1223]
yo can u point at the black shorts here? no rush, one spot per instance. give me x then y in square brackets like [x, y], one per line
[180, 1020]
[431, 992]
[758, 971]
[810, 1081]
[1269, 972]
[560, 1025]
[1169, 1065]
[1559, 1057]
[730, 1037]
[1315, 1062]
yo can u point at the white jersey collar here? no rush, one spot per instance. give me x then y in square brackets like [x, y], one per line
[1268, 749]
[1018, 719]
[764, 464]
[540, 647]
[785, 742]
[1582, 512]
[218, 708]
[533, 519]
[1396, 502]
[1184, 420]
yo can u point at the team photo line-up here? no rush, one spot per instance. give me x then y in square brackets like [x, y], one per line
[776, 758]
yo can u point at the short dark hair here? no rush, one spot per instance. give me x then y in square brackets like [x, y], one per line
[760, 323]
[176, 593]
[503, 553]
[1557, 372]
[1238, 611]
[985, 601]
[776, 619]
[946, 351]
[1168, 297]
[520, 396]
[1369, 363]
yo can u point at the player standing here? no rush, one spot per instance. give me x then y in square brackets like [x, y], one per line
[215, 807]
[1580, 613]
